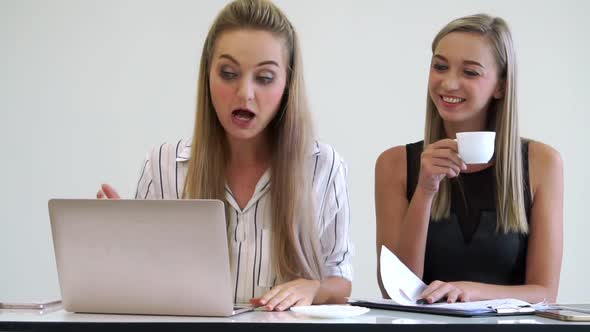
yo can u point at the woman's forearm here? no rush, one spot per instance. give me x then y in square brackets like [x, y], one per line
[333, 290]
[414, 230]
[530, 293]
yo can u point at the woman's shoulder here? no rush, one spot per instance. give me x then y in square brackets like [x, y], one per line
[545, 164]
[390, 167]
[173, 151]
[541, 154]
[326, 160]
[392, 163]
[397, 155]
[163, 163]
[391, 157]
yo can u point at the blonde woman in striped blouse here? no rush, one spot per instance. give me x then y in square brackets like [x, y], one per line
[253, 148]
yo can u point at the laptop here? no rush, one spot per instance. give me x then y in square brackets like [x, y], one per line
[157, 257]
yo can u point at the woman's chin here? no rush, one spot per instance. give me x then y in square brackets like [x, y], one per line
[453, 115]
[240, 134]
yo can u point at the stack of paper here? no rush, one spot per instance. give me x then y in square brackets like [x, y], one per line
[404, 289]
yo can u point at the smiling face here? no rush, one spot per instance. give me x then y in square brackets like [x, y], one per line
[247, 80]
[464, 78]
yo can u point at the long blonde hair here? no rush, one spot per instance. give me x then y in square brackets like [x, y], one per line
[291, 136]
[501, 116]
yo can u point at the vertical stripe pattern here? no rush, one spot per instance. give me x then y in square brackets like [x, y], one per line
[250, 229]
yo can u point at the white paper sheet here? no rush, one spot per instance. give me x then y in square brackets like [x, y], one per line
[404, 288]
[499, 305]
[401, 284]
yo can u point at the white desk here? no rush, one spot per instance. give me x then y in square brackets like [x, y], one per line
[375, 320]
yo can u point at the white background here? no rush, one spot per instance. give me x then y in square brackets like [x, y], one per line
[87, 87]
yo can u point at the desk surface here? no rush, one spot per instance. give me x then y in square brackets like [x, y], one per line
[375, 320]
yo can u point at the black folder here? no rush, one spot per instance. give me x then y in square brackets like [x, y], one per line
[426, 309]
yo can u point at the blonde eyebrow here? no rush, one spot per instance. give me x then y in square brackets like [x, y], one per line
[267, 62]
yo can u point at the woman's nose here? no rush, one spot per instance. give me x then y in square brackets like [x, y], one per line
[246, 89]
[450, 82]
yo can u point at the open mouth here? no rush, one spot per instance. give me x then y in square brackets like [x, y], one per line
[452, 100]
[243, 114]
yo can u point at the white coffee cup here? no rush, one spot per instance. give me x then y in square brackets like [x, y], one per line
[476, 147]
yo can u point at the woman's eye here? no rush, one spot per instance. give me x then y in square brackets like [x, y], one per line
[440, 67]
[227, 74]
[263, 79]
[471, 73]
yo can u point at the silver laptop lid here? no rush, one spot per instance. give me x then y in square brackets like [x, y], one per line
[165, 257]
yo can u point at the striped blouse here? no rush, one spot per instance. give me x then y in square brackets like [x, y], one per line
[249, 229]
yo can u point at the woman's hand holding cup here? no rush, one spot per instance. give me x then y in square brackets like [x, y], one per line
[439, 160]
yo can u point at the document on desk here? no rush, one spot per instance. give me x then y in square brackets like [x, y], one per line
[404, 289]
[401, 284]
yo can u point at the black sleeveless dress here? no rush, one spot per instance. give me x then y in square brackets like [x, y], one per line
[466, 247]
